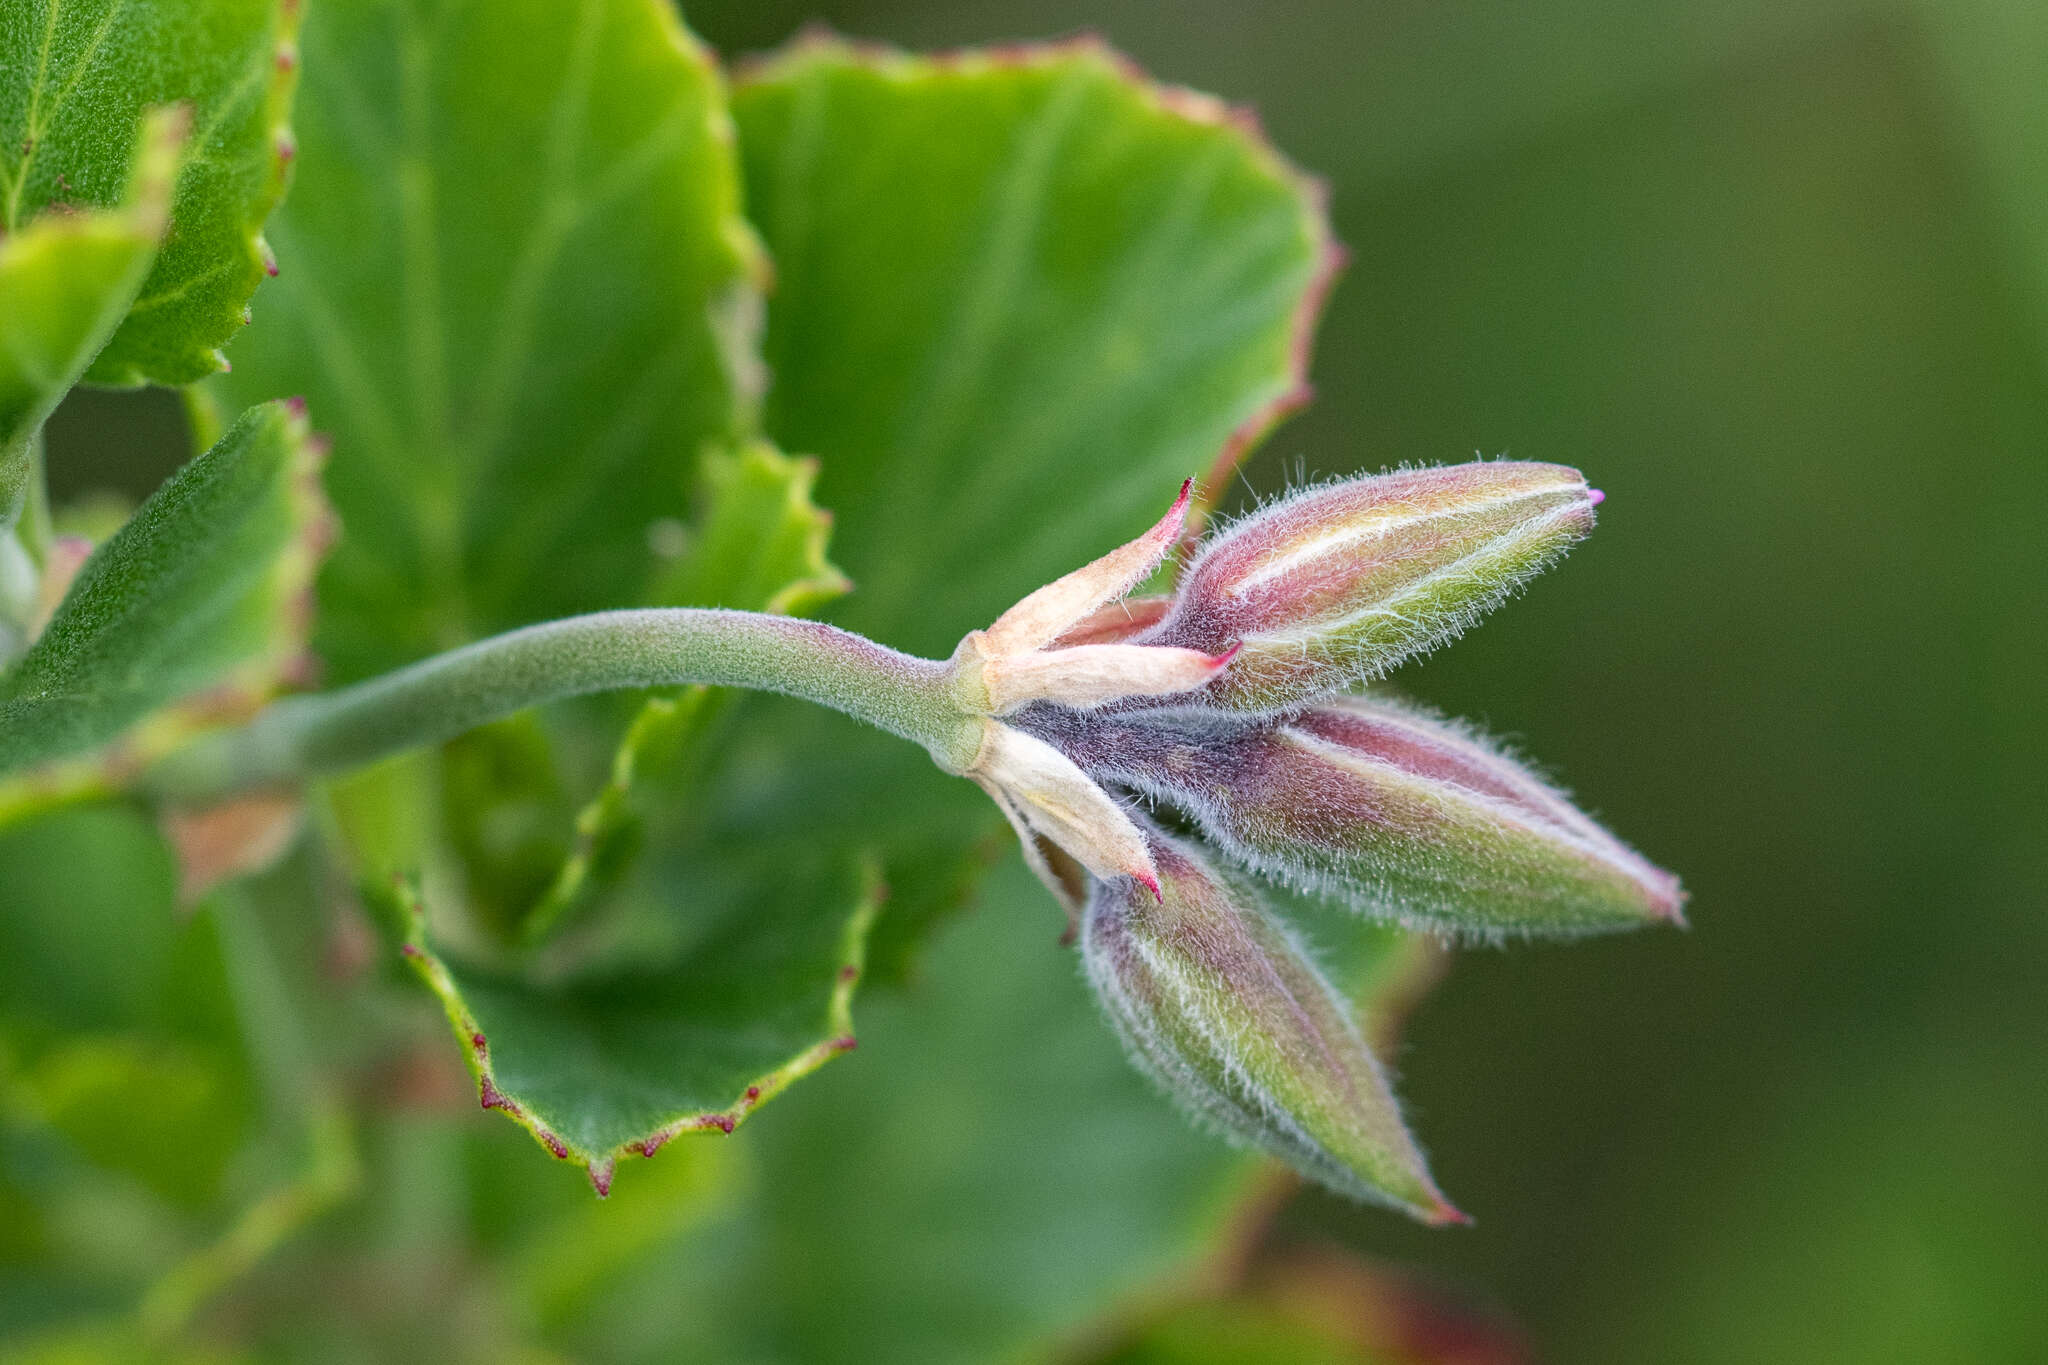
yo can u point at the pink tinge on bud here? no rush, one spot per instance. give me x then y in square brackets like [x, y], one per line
[1231, 1015]
[1401, 814]
[1595, 496]
[1337, 584]
[1115, 623]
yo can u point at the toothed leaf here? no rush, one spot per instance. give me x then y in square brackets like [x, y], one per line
[757, 544]
[1006, 282]
[75, 79]
[1011, 280]
[990, 1109]
[517, 287]
[204, 591]
[678, 1037]
[66, 281]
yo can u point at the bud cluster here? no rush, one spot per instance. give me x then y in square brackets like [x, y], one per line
[1229, 709]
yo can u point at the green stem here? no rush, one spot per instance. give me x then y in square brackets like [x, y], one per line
[439, 698]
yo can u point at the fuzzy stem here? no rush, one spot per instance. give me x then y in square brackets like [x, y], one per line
[439, 698]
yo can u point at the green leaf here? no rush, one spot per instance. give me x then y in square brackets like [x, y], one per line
[76, 75]
[117, 1007]
[66, 281]
[1019, 296]
[758, 544]
[143, 1045]
[986, 1174]
[204, 590]
[688, 1039]
[516, 283]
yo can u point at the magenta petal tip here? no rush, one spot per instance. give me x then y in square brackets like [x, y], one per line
[1595, 496]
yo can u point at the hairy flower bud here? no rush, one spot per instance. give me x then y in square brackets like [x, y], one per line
[1402, 814]
[1230, 1015]
[1337, 584]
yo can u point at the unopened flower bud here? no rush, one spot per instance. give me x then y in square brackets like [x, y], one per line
[1337, 584]
[1402, 814]
[1067, 644]
[1230, 1015]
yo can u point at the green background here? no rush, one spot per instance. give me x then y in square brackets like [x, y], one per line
[1776, 276]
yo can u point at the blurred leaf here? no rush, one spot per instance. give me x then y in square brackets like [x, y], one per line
[66, 281]
[330, 1175]
[90, 937]
[1315, 1303]
[508, 817]
[687, 1041]
[205, 589]
[757, 544]
[1235, 1333]
[123, 1025]
[177, 1142]
[986, 1175]
[76, 75]
[516, 283]
[1020, 295]
[565, 1263]
[113, 1342]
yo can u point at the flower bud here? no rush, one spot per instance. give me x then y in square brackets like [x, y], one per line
[1229, 1014]
[1404, 815]
[1337, 584]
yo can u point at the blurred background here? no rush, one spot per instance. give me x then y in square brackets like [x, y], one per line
[1775, 275]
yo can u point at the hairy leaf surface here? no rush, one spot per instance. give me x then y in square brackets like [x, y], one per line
[516, 283]
[75, 79]
[205, 590]
[66, 281]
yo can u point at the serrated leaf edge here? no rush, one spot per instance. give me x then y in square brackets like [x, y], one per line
[818, 581]
[819, 44]
[242, 692]
[601, 1166]
[821, 580]
[257, 260]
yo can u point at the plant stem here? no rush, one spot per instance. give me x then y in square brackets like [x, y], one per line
[439, 698]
